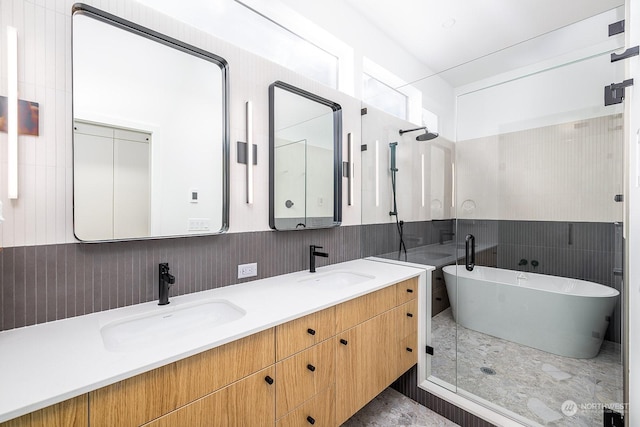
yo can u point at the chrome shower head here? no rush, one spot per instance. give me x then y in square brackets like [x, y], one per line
[426, 136]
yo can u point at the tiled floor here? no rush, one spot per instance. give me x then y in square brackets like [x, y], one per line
[391, 408]
[527, 381]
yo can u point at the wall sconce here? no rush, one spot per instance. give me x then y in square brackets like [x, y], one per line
[248, 152]
[12, 112]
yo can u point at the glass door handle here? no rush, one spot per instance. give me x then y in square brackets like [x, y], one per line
[470, 252]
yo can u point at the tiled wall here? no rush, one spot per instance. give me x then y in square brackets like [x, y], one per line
[50, 282]
[566, 172]
[378, 239]
[589, 251]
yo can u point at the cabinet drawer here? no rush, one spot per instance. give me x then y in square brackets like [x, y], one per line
[303, 375]
[248, 402]
[408, 318]
[295, 336]
[147, 396]
[437, 279]
[407, 290]
[70, 413]
[361, 309]
[408, 353]
[319, 412]
[439, 301]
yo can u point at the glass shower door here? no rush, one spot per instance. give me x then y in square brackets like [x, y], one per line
[539, 163]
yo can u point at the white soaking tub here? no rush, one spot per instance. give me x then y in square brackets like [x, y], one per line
[559, 315]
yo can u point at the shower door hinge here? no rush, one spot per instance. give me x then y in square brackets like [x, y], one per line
[616, 28]
[612, 418]
[632, 51]
[429, 350]
[614, 93]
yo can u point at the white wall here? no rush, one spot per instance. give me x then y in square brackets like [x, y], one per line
[43, 214]
[411, 183]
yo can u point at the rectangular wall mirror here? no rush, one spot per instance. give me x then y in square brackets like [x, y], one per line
[151, 145]
[305, 164]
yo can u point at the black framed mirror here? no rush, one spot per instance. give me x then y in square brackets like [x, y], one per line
[151, 133]
[305, 161]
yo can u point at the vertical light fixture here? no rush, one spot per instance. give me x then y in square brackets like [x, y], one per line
[351, 168]
[377, 169]
[453, 185]
[249, 152]
[422, 179]
[12, 112]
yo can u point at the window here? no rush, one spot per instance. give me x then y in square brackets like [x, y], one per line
[275, 34]
[384, 90]
[387, 99]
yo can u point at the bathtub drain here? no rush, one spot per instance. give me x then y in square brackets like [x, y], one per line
[487, 371]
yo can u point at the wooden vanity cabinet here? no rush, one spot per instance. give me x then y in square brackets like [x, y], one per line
[305, 369]
[376, 351]
[318, 411]
[248, 402]
[145, 397]
[70, 413]
[298, 334]
[317, 370]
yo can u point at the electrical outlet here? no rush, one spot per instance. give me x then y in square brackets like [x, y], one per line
[198, 224]
[247, 270]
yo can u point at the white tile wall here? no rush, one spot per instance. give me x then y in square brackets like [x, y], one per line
[43, 214]
[566, 172]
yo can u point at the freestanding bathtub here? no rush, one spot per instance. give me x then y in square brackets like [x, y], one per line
[559, 315]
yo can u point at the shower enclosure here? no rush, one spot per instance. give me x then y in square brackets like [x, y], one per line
[529, 177]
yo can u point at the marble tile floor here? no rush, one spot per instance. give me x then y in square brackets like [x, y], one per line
[527, 381]
[391, 408]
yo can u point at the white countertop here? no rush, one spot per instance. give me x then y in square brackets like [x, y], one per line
[45, 364]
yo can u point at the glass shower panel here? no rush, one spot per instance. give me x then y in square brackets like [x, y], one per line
[537, 320]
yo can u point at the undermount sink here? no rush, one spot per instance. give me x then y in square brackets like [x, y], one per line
[336, 279]
[167, 323]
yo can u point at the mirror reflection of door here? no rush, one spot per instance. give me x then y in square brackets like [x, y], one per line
[112, 176]
[291, 161]
[304, 142]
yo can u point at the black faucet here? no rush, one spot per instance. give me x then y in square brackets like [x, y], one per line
[312, 257]
[444, 233]
[165, 282]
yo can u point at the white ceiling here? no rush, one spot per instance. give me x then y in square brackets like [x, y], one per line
[480, 27]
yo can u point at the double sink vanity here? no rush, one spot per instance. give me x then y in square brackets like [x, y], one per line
[298, 349]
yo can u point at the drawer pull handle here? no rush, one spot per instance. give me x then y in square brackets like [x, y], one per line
[409, 314]
[410, 291]
[311, 367]
[343, 341]
[268, 379]
[311, 331]
[409, 349]
[311, 420]
[438, 299]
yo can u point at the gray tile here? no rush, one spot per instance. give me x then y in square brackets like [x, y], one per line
[8, 289]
